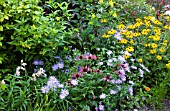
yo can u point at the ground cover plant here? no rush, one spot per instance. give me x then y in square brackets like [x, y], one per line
[83, 55]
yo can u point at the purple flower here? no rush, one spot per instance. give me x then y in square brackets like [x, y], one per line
[36, 62]
[130, 89]
[53, 79]
[123, 78]
[66, 71]
[60, 65]
[45, 89]
[118, 81]
[101, 107]
[64, 92]
[41, 63]
[113, 91]
[55, 67]
[59, 58]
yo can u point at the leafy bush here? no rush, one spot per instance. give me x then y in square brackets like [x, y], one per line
[27, 33]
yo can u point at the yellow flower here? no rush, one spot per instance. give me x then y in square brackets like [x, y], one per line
[146, 45]
[124, 41]
[130, 49]
[111, 3]
[165, 44]
[111, 32]
[156, 38]
[105, 36]
[147, 23]
[166, 41]
[131, 27]
[169, 61]
[121, 26]
[126, 56]
[93, 15]
[159, 57]
[131, 42]
[153, 51]
[140, 60]
[114, 15]
[157, 22]
[168, 65]
[139, 20]
[145, 31]
[162, 49]
[167, 26]
[101, 1]
[154, 45]
[103, 20]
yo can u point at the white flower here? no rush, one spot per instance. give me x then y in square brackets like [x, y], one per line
[100, 63]
[133, 67]
[110, 60]
[121, 58]
[141, 72]
[17, 73]
[167, 12]
[3, 82]
[109, 52]
[144, 68]
[132, 60]
[98, 49]
[131, 82]
[127, 53]
[64, 92]
[114, 59]
[62, 96]
[74, 82]
[24, 64]
[118, 36]
[60, 85]
[102, 96]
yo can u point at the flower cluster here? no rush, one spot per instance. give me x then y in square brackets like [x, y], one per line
[22, 67]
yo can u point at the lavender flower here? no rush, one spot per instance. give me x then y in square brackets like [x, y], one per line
[60, 65]
[130, 89]
[121, 58]
[123, 78]
[101, 107]
[62, 96]
[55, 67]
[53, 79]
[41, 63]
[118, 81]
[45, 89]
[113, 91]
[36, 62]
[64, 92]
[141, 72]
[66, 71]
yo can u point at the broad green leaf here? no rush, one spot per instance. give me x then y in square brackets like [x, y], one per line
[1, 28]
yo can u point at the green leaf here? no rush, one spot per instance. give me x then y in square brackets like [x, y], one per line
[1, 28]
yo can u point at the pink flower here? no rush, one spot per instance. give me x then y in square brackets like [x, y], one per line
[107, 78]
